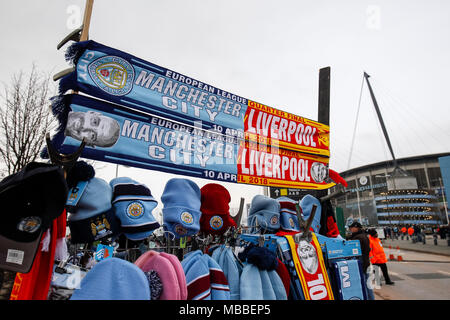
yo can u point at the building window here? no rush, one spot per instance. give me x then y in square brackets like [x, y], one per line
[420, 176]
[434, 174]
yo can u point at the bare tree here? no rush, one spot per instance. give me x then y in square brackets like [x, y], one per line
[25, 117]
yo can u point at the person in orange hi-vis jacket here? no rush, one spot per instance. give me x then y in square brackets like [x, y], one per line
[377, 255]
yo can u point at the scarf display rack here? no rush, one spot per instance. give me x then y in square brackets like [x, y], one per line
[261, 260]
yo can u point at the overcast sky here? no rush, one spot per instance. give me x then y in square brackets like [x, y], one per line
[271, 52]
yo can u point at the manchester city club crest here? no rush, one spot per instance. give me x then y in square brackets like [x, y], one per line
[274, 219]
[135, 210]
[187, 218]
[179, 229]
[291, 222]
[100, 227]
[112, 74]
[29, 224]
[216, 222]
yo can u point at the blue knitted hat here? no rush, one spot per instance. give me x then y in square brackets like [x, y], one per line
[133, 204]
[181, 212]
[306, 204]
[113, 279]
[288, 214]
[264, 213]
[93, 217]
[258, 284]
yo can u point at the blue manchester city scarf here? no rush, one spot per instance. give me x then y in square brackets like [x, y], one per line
[118, 77]
[126, 136]
[349, 279]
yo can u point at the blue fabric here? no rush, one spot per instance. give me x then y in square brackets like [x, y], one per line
[93, 217]
[369, 291]
[258, 284]
[204, 277]
[288, 214]
[181, 212]
[124, 79]
[195, 269]
[220, 289]
[141, 140]
[113, 279]
[250, 283]
[264, 214]
[277, 285]
[306, 204]
[348, 279]
[226, 260]
[267, 289]
[134, 208]
[95, 199]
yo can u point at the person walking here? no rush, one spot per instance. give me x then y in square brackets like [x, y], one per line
[359, 234]
[377, 255]
[410, 232]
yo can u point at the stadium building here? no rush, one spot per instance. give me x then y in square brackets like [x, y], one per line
[412, 194]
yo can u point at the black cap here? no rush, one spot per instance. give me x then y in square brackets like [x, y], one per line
[355, 224]
[30, 200]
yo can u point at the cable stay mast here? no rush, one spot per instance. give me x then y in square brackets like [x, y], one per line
[398, 172]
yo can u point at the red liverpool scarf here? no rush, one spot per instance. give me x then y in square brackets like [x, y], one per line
[311, 270]
[35, 284]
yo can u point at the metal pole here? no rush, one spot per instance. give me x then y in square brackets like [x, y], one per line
[324, 107]
[380, 118]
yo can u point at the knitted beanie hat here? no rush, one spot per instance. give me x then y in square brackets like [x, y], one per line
[180, 273]
[264, 213]
[153, 260]
[93, 217]
[181, 212]
[215, 209]
[133, 204]
[306, 204]
[288, 214]
[113, 279]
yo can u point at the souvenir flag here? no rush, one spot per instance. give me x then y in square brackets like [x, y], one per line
[310, 266]
[124, 79]
[135, 138]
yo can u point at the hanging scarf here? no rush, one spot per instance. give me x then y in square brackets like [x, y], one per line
[35, 284]
[121, 78]
[349, 279]
[310, 266]
[130, 137]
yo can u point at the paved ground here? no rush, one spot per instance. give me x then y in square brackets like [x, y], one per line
[441, 248]
[423, 273]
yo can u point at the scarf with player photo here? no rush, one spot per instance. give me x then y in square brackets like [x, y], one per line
[130, 137]
[310, 267]
[116, 76]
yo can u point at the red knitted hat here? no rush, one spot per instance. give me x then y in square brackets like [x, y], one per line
[215, 209]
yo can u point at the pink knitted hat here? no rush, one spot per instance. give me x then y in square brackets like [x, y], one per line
[180, 274]
[153, 260]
